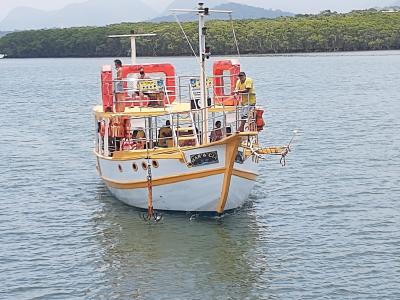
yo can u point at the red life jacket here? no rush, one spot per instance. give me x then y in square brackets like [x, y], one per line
[259, 119]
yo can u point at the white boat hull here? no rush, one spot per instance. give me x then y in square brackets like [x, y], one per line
[200, 195]
[177, 187]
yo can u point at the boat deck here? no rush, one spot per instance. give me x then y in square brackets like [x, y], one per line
[174, 108]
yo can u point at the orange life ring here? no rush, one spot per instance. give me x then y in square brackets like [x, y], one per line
[219, 80]
[167, 69]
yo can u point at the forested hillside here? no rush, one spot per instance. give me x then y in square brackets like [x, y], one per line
[3, 33]
[365, 30]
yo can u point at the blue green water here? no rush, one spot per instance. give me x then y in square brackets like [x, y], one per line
[327, 226]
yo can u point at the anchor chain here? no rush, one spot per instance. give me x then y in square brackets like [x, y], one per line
[150, 214]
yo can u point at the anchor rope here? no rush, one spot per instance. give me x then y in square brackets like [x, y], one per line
[150, 211]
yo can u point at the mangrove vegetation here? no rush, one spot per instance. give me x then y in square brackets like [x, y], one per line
[326, 32]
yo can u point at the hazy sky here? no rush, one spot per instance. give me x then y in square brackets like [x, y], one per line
[296, 6]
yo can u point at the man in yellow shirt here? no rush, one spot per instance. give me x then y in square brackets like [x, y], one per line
[245, 87]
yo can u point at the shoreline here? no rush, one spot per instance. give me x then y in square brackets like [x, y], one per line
[282, 54]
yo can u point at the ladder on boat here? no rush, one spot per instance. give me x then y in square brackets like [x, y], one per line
[186, 130]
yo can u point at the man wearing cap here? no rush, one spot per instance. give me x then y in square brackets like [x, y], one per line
[140, 76]
[136, 80]
[245, 87]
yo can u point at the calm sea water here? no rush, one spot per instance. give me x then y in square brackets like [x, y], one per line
[327, 226]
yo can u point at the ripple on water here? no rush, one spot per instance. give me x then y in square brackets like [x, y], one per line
[325, 226]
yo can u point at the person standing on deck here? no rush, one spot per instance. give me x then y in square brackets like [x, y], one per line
[245, 87]
[119, 87]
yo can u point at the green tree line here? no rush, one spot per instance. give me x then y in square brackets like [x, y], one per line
[326, 32]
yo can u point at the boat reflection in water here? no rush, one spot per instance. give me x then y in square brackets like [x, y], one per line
[177, 258]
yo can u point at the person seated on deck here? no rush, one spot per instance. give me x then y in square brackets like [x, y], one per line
[228, 131]
[162, 141]
[164, 134]
[140, 99]
[128, 143]
[217, 133]
[153, 91]
[140, 77]
[140, 139]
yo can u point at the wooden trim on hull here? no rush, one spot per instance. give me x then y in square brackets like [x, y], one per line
[163, 180]
[245, 174]
[177, 178]
[231, 151]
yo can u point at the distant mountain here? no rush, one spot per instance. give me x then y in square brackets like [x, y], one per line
[104, 12]
[239, 11]
[394, 4]
[191, 4]
[90, 13]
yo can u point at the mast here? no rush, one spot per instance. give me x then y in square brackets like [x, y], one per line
[132, 37]
[204, 54]
[203, 91]
[133, 50]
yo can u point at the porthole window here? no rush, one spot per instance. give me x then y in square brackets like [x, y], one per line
[120, 168]
[155, 164]
[134, 167]
[144, 166]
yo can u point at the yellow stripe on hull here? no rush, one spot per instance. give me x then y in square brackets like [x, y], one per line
[177, 178]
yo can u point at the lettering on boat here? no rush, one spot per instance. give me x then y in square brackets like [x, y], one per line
[205, 158]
